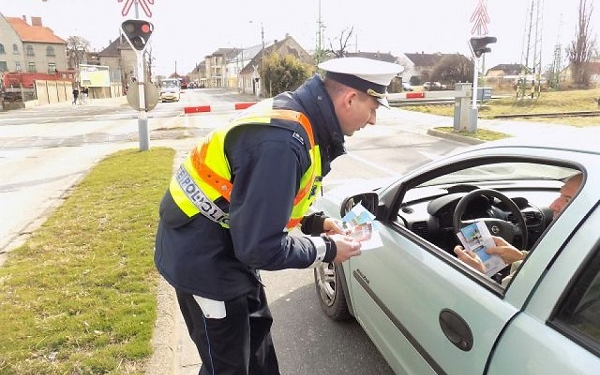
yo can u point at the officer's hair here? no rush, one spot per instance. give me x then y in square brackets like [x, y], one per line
[334, 88]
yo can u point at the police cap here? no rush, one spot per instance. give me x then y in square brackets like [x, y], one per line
[366, 75]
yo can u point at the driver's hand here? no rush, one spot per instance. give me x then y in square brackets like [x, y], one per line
[506, 251]
[470, 258]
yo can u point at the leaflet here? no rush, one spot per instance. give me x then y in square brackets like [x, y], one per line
[360, 224]
[476, 237]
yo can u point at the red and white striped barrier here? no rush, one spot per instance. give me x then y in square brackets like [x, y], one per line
[218, 107]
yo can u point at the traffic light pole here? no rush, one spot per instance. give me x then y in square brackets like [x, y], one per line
[143, 134]
[474, 113]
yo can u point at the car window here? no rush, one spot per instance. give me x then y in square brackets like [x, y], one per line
[429, 207]
[578, 316]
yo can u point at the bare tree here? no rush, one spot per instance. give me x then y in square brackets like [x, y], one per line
[582, 48]
[452, 69]
[77, 46]
[343, 39]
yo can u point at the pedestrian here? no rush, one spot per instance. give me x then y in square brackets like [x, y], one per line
[84, 95]
[229, 209]
[75, 95]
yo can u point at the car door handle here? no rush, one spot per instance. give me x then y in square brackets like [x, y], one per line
[456, 329]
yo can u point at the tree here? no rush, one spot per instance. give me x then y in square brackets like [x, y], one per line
[283, 73]
[582, 48]
[343, 39]
[77, 46]
[452, 69]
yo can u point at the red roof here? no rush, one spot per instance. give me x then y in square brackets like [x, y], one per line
[34, 34]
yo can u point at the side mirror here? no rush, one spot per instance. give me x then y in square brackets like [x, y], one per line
[370, 201]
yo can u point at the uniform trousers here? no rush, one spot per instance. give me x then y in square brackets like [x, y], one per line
[238, 344]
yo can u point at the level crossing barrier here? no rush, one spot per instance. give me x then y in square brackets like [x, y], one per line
[217, 107]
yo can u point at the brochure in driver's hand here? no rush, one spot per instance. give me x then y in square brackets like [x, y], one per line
[359, 224]
[476, 237]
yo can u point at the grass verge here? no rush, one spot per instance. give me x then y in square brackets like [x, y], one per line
[80, 296]
[548, 102]
[481, 134]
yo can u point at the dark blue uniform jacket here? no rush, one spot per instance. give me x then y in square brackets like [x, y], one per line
[199, 256]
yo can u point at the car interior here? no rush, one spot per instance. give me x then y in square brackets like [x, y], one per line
[512, 199]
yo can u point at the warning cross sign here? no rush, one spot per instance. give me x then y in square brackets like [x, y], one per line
[145, 4]
[480, 19]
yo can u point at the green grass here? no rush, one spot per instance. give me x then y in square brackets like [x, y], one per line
[482, 134]
[80, 296]
[548, 102]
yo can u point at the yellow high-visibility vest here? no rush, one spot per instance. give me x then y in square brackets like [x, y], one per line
[205, 175]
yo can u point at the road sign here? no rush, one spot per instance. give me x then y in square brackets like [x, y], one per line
[145, 4]
[480, 19]
[150, 96]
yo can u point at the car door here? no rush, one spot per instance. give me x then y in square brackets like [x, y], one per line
[558, 331]
[426, 313]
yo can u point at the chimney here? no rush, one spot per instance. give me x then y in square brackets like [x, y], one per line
[36, 21]
[24, 18]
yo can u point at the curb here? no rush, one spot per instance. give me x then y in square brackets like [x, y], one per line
[455, 137]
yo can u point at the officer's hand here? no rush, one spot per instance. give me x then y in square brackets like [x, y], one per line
[346, 246]
[333, 226]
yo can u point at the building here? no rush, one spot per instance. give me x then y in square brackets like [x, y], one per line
[249, 74]
[31, 47]
[419, 66]
[121, 60]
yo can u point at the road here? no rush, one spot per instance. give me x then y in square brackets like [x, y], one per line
[45, 150]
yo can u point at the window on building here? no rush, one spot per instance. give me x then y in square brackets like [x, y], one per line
[30, 51]
[3, 66]
[51, 68]
[50, 51]
[31, 67]
[2, 51]
[18, 66]
[15, 49]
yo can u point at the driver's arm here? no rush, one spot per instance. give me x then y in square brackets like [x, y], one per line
[506, 251]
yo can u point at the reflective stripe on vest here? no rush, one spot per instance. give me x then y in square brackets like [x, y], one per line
[205, 175]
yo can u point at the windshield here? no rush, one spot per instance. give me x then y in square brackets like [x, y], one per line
[170, 84]
[502, 172]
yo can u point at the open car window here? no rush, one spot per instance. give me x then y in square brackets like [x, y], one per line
[429, 208]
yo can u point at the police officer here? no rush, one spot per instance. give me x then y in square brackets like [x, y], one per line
[231, 204]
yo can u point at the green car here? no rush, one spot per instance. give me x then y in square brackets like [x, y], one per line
[429, 312]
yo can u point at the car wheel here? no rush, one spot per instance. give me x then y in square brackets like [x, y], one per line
[331, 293]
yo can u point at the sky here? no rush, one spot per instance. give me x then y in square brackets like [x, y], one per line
[187, 30]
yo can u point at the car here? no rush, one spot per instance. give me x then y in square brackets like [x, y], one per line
[434, 86]
[428, 312]
[407, 86]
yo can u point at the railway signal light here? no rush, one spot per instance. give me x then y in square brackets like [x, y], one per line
[479, 45]
[138, 33]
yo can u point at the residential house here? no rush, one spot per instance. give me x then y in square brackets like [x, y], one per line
[30, 47]
[121, 60]
[593, 68]
[504, 74]
[236, 64]
[216, 66]
[198, 74]
[249, 75]
[419, 66]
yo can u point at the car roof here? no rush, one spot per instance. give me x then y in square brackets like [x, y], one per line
[579, 141]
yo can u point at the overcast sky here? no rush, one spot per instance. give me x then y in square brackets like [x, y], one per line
[187, 30]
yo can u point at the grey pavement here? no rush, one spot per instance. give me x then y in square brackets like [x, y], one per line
[174, 353]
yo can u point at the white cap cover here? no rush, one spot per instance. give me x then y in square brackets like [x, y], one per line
[367, 75]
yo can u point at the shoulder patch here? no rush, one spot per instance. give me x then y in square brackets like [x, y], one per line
[298, 137]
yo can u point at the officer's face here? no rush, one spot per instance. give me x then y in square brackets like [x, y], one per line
[359, 110]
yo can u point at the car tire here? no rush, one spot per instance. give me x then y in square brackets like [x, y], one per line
[330, 292]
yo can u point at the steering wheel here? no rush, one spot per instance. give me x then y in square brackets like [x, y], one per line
[497, 227]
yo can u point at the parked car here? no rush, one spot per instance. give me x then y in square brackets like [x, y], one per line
[407, 86]
[434, 86]
[428, 312]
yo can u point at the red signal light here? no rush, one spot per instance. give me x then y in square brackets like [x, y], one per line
[145, 28]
